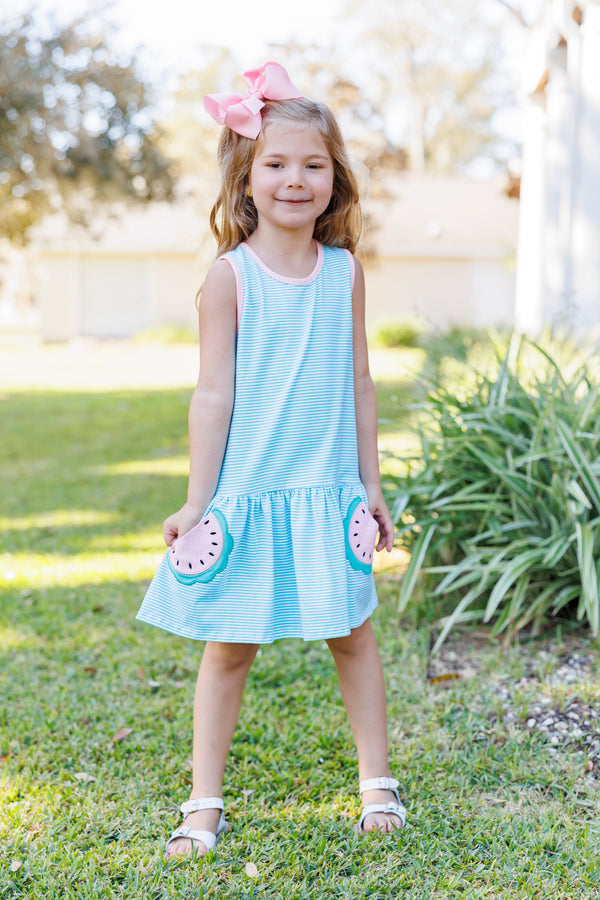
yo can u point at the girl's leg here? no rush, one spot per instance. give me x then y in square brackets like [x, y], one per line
[217, 703]
[362, 686]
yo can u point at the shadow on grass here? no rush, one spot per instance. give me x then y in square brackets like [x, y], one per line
[79, 467]
[60, 458]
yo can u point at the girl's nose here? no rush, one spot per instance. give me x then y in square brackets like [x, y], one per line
[295, 178]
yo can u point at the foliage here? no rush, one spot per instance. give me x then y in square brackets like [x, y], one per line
[458, 344]
[95, 709]
[415, 85]
[76, 125]
[188, 134]
[399, 334]
[168, 334]
[449, 352]
[455, 343]
[436, 70]
[502, 510]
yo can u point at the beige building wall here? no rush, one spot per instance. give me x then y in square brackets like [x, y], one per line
[56, 279]
[110, 295]
[176, 283]
[119, 295]
[115, 295]
[444, 249]
[442, 292]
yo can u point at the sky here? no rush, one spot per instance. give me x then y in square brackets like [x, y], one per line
[172, 29]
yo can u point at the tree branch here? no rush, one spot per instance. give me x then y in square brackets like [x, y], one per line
[516, 13]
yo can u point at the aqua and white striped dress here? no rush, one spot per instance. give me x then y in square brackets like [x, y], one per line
[285, 546]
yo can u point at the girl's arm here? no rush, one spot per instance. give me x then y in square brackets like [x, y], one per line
[366, 417]
[212, 400]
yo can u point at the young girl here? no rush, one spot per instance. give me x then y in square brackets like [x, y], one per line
[284, 500]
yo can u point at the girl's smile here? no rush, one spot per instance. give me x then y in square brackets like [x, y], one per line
[291, 179]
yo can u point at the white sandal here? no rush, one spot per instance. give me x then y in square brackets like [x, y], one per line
[393, 808]
[207, 837]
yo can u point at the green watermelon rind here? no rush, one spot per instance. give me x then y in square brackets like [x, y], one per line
[350, 555]
[218, 565]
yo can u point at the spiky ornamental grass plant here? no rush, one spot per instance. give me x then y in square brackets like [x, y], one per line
[502, 507]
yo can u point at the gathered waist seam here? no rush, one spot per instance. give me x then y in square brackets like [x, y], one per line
[299, 489]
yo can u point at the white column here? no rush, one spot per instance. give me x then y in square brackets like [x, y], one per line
[583, 259]
[532, 213]
[561, 106]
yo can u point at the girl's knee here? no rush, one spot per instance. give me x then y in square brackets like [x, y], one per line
[355, 642]
[230, 656]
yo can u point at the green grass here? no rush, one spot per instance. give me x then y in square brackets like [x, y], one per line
[87, 478]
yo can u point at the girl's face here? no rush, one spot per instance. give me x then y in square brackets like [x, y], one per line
[291, 178]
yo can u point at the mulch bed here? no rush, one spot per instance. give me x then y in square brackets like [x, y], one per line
[562, 679]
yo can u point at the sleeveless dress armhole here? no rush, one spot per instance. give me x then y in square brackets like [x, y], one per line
[352, 267]
[239, 285]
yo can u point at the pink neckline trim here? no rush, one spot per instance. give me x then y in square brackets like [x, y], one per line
[284, 278]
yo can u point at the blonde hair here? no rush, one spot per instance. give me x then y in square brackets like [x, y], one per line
[233, 217]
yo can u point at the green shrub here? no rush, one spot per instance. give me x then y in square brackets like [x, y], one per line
[455, 342]
[502, 507]
[406, 333]
[448, 352]
[169, 333]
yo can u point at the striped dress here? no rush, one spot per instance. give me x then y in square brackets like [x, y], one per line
[285, 546]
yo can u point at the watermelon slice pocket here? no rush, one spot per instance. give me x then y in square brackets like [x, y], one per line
[203, 552]
[360, 531]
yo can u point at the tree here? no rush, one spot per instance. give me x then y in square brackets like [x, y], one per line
[76, 126]
[434, 70]
[190, 136]
[322, 73]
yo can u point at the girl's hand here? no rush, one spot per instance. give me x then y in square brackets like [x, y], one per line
[381, 514]
[181, 522]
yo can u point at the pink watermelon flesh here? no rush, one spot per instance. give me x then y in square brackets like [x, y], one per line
[362, 533]
[199, 549]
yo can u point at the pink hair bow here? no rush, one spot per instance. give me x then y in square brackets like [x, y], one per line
[240, 112]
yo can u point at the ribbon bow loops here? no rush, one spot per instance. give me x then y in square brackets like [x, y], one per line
[242, 113]
[272, 82]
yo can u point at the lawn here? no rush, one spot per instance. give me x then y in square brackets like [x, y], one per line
[95, 708]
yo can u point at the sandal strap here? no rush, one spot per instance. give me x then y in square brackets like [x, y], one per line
[201, 803]
[207, 837]
[393, 808]
[383, 783]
